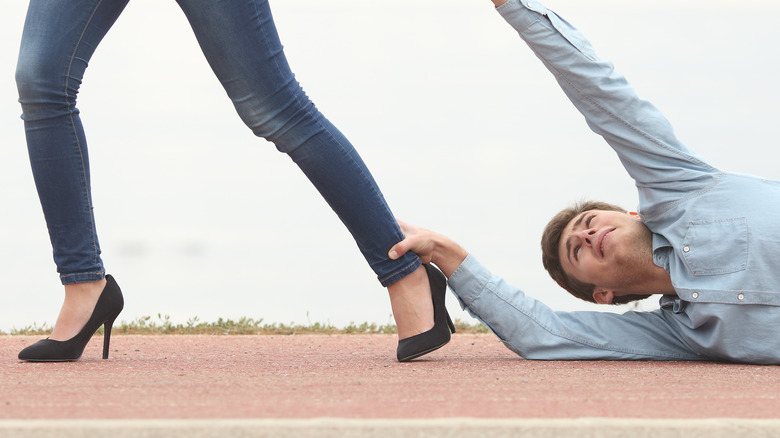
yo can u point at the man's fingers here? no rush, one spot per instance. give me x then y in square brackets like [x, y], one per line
[400, 249]
[416, 240]
[395, 252]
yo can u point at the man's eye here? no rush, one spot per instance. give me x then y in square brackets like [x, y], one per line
[576, 251]
[590, 218]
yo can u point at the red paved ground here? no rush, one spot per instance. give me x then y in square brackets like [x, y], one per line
[356, 376]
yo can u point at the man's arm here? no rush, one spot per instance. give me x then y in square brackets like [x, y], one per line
[663, 167]
[533, 330]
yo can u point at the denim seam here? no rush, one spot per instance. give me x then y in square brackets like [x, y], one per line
[90, 206]
[63, 276]
[401, 273]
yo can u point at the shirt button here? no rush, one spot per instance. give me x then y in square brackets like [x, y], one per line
[686, 248]
[695, 295]
[741, 297]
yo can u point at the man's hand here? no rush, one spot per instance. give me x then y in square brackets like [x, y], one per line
[417, 240]
[430, 247]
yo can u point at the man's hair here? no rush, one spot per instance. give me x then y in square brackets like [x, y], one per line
[551, 239]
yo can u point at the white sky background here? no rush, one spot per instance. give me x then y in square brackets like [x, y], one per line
[462, 127]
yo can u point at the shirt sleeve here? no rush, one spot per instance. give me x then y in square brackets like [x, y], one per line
[641, 136]
[534, 331]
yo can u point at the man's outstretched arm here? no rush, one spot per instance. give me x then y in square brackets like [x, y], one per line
[533, 330]
[635, 129]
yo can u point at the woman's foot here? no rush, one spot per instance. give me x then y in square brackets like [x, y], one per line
[412, 305]
[440, 333]
[80, 300]
[103, 313]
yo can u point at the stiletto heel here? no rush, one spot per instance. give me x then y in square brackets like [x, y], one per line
[108, 307]
[435, 338]
[107, 337]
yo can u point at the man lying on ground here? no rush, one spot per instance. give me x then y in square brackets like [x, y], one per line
[706, 240]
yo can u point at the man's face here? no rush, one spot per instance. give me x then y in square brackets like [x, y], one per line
[609, 249]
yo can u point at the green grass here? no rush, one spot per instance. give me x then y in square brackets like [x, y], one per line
[243, 326]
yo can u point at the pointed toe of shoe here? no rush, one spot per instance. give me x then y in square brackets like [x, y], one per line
[47, 350]
[422, 344]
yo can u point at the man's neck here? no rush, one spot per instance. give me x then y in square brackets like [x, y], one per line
[658, 283]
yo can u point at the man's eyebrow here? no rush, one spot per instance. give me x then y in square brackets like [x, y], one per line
[579, 220]
[568, 240]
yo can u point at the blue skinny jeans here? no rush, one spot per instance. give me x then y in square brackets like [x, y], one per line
[241, 44]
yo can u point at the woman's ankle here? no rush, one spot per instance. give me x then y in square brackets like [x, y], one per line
[80, 300]
[412, 304]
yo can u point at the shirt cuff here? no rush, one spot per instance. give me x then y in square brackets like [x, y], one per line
[469, 280]
[521, 14]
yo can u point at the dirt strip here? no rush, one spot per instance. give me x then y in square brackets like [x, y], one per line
[357, 377]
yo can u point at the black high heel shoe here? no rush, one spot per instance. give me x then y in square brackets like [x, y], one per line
[435, 338]
[106, 310]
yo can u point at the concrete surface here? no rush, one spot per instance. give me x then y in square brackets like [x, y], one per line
[351, 385]
[356, 428]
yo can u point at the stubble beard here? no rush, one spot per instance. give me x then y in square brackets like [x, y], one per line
[636, 267]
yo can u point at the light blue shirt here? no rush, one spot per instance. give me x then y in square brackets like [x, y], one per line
[716, 233]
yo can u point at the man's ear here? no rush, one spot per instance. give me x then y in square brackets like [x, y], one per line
[602, 296]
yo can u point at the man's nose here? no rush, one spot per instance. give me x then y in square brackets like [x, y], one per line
[587, 236]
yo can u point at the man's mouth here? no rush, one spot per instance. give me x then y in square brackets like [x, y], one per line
[601, 242]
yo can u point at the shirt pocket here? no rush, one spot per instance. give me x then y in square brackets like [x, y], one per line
[713, 247]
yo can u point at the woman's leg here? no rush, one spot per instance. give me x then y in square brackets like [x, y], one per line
[58, 40]
[241, 44]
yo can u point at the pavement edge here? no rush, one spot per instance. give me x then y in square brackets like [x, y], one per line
[391, 428]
